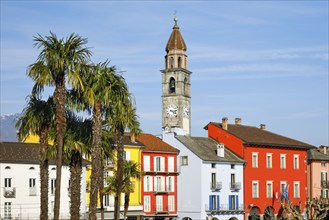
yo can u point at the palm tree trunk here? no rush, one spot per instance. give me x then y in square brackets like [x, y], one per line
[119, 175]
[95, 159]
[101, 195]
[60, 128]
[75, 184]
[127, 199]
[44, 175]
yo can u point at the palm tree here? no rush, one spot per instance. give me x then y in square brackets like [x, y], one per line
[102, 86]
[59, 59]
[130, 170]
[38, 119]
[76, 144]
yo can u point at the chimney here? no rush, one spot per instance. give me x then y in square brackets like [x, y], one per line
[262, 126]
[224, 123]
[132, 138]
[238, 121]
[220, 150]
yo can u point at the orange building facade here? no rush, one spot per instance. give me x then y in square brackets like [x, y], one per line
[274, 164]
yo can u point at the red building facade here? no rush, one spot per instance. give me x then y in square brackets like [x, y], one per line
[159, 181]
[274, 164]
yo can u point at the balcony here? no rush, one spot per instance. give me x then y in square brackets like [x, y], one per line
[224, 209]
[216, 186]
[33, 191]
[160, 209]
[161, 170]
[324, 184]
[9, 192]
[235, 186]
[161, 189]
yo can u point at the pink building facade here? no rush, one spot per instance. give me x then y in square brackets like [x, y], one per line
[317, 173]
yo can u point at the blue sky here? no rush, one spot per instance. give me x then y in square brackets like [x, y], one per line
[262, 61]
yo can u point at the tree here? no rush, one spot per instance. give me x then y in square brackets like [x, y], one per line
[38, 119]
[123, 116]
[59, 59]
[76, 144]
[131, 170]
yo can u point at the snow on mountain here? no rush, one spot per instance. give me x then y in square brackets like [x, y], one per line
[7, 127]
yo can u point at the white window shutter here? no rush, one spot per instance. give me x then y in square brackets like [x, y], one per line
[146, 163]
[162, 164]
[170, 164]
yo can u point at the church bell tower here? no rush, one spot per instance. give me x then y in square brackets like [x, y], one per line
[176, 96]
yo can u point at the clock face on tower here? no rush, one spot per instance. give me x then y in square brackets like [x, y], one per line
[172, 111]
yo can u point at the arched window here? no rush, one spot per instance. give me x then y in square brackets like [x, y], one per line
[172, 85]
[179, 62]
[31, 168]
[171, 62]
[7, 168]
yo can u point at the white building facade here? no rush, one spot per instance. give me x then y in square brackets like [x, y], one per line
[210, 184]
[20, 184]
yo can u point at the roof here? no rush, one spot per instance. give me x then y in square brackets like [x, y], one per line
[153, 143]
[315, 154]
[176, 40]
[128, 141]
[17, 152]
[205, 148]
[251, 135]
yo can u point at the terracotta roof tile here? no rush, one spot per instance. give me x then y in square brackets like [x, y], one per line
[176, 40]
[153, 143]
[255, 136]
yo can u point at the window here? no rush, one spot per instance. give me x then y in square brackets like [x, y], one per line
[126, 155]
[159, 184]
[179, 61]
[171, 203]
[171, 62]
[147, 203]
[254, 160]
[7, 210]
[159, 203]
[32, 188]
[233, 181]
[31, 168]
[232, 166]
[146, 164]
[171, 164]
[170, 184]
[172, 85]
[324, 179]
[147, 183]
[283, 185]
[269, 189]
[255, 189]
[233, 202]
[52, 186]
[7, 182]
[213, 180]
[106, 198]
[323, 163]
[296, 190]
[324, 193]
[7, 168]
[282, 161]
[184, 160]
[268, 160]
[296, 161]
[213, 165]
[158, 163]
[213, 202]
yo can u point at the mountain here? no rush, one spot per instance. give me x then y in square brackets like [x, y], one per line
[7, 127]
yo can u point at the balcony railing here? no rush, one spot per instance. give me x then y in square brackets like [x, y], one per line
[235, 186]
[216, 186]
[324, 184]
[224, 208]
[9, 192]
[170, 169]
[161, 209]
[33, 191]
